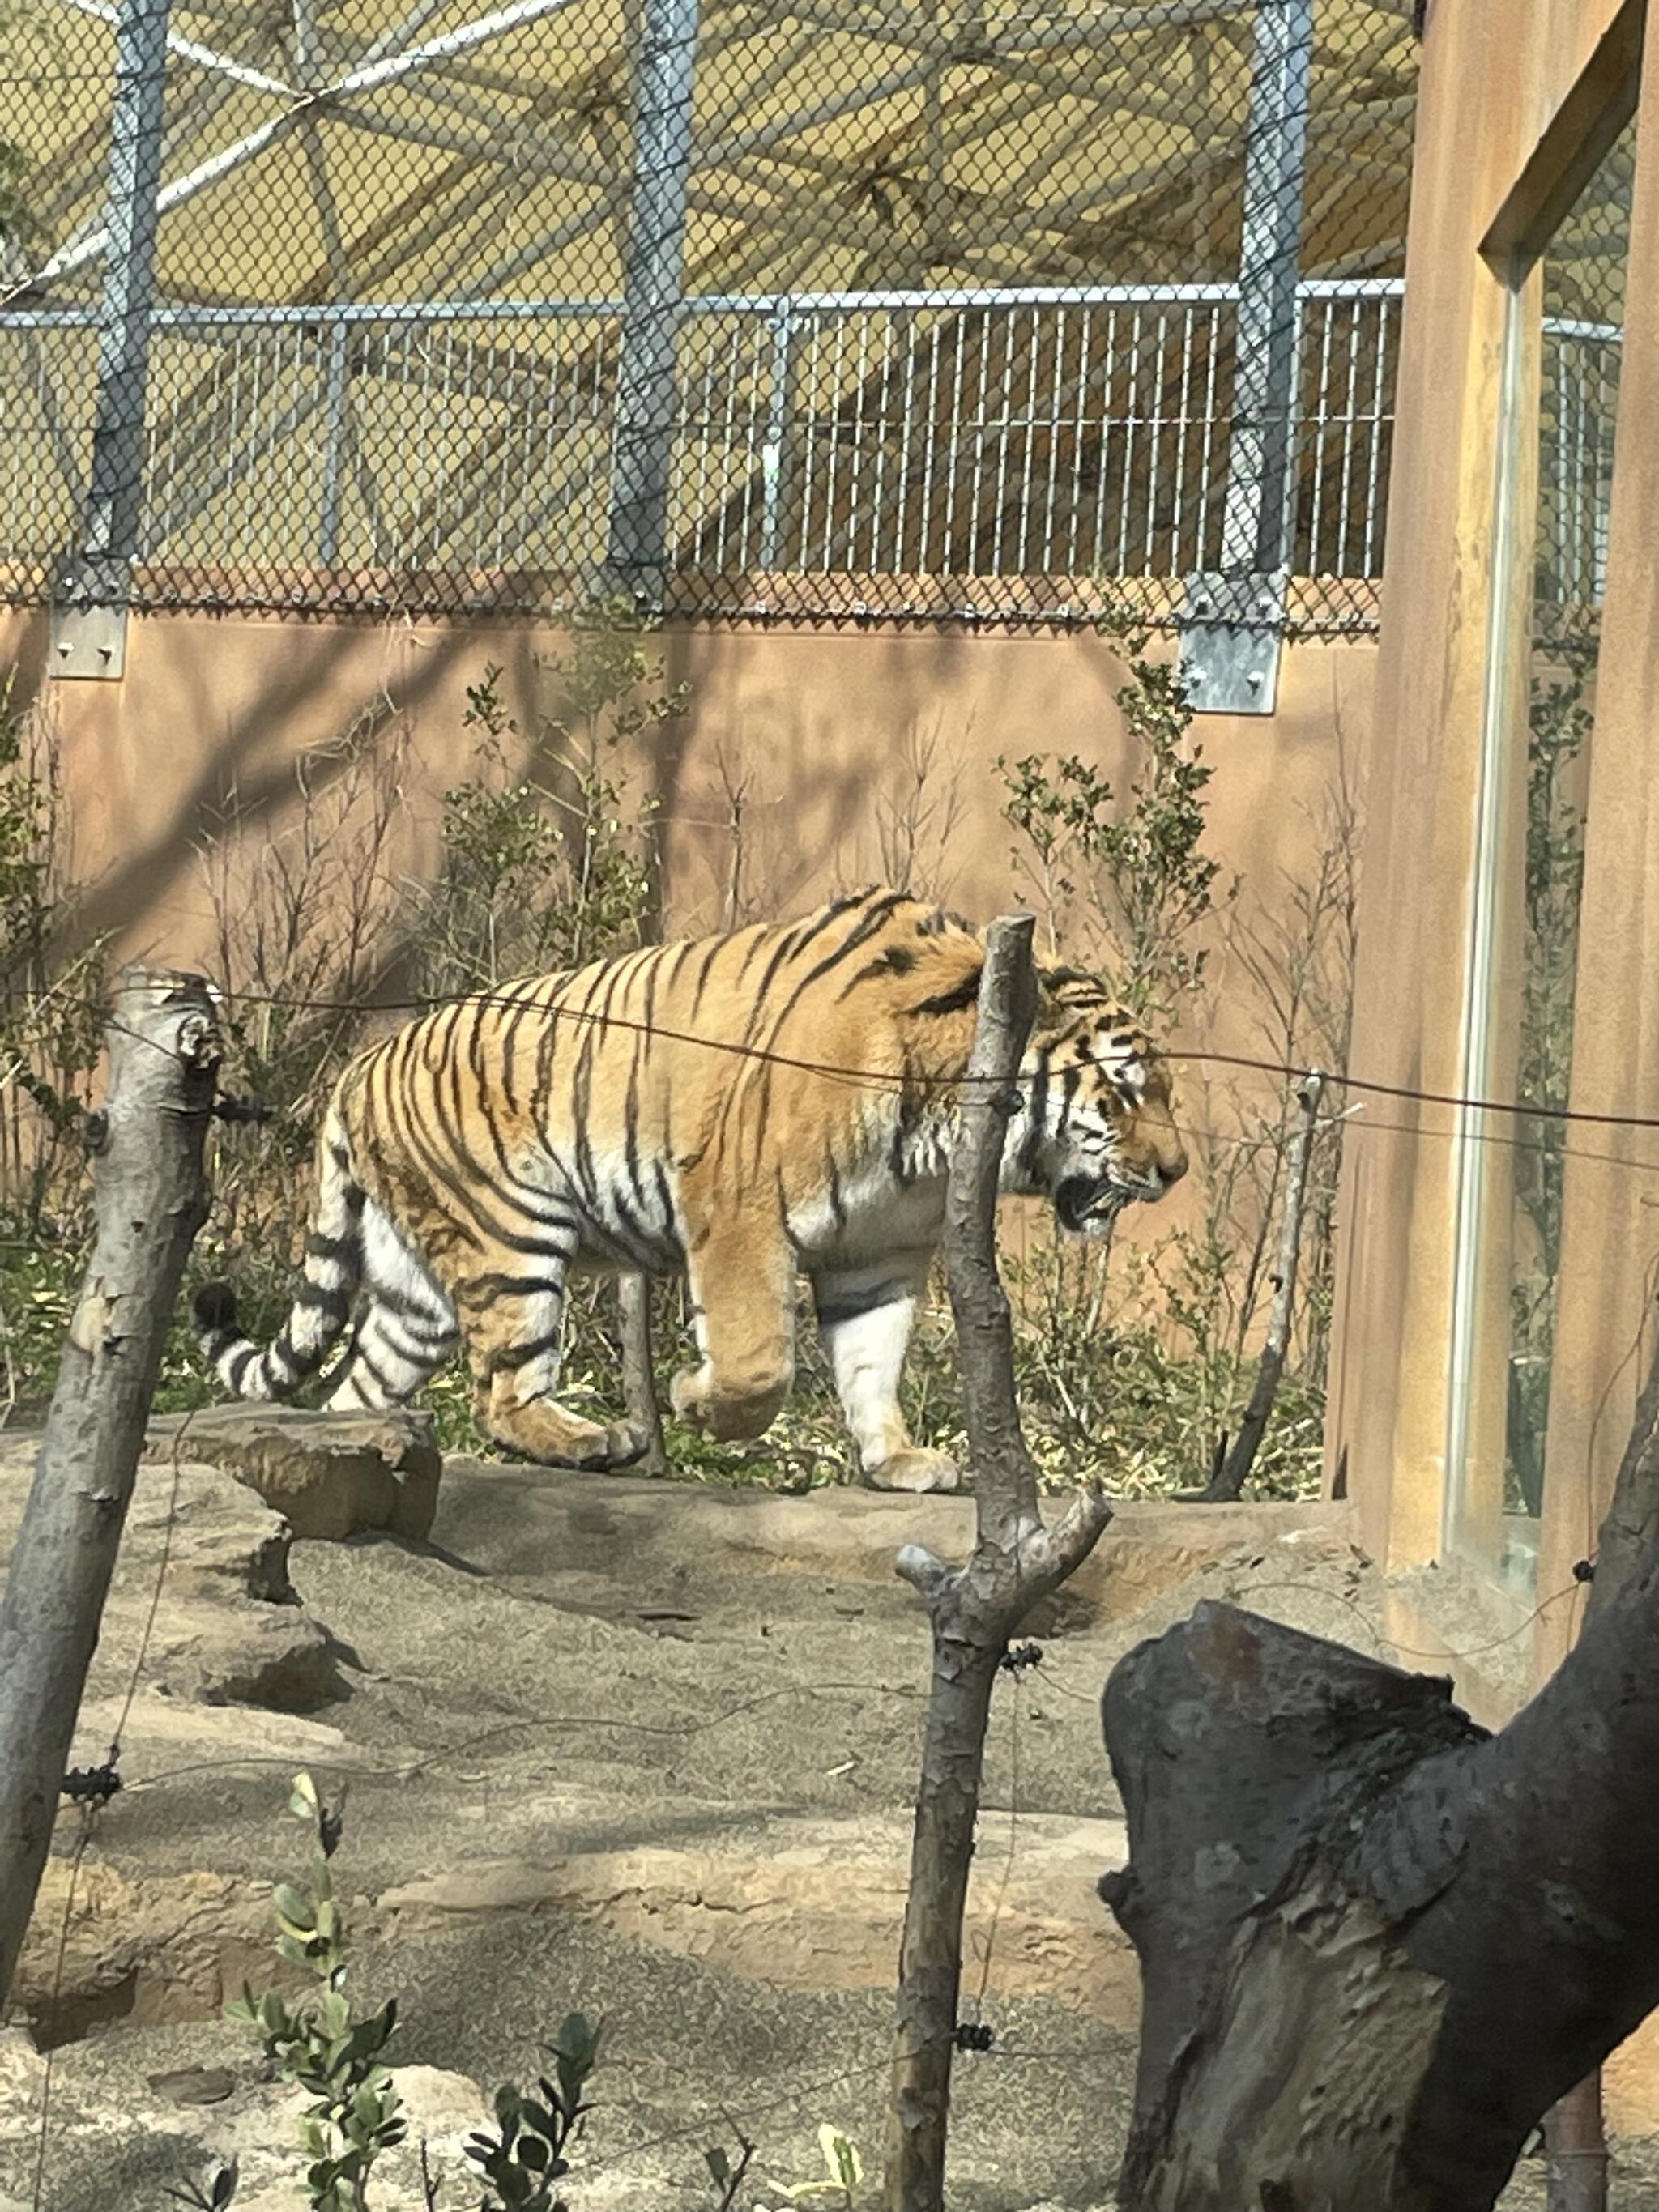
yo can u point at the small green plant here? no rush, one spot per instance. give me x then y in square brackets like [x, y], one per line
[523, 2161]
[355, 2113]
[843, 2173]
[1130, 879]
[208, 2197]
[1560, 723]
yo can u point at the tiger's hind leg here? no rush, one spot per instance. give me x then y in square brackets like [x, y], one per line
[865, 1315]
[512, 1317]
[406, 1331]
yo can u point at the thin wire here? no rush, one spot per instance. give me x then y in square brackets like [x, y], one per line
[1008, 1858]
[472, 1743]
[876, 1080]
[43, 2134]
[89, 1810]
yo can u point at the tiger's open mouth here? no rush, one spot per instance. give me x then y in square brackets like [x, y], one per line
[1087, 1206]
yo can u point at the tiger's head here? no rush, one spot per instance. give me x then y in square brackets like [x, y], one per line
[1096, 1129]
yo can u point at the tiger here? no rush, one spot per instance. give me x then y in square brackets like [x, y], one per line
[777, 1100]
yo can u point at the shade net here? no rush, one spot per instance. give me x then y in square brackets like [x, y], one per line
[944, 312]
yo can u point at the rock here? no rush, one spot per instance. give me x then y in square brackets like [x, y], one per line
[820, 1906]
[201, 1607]
[282, 1659]
[194, 2085]
[330, 1475]
[135, 1950]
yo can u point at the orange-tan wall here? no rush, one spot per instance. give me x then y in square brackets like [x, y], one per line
[815, 733]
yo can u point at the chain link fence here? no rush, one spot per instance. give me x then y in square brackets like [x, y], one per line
[984, 311]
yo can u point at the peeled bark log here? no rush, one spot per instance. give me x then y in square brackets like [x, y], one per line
[1376, 1943]
[152, 1197]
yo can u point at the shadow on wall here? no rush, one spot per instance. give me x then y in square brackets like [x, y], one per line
[807, 761]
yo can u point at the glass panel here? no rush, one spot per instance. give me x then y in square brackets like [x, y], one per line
[1583, 311]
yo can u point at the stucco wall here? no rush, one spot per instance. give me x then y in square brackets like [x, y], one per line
[818, 733]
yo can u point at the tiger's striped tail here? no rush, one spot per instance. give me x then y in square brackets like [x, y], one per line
[317, 1319]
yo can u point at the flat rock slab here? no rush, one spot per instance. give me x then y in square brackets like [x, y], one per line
[201, 1606]
[330, 1475]
[819, 1905]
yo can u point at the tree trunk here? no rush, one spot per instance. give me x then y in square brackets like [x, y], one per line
[1228, 1481]
[1376, 1944]
[1575, 2137]
[972, 1610]
[640, 1372]
[1575, 2131]
[151, 1197]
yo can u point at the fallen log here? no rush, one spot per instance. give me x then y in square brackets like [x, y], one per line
[1377, 1943]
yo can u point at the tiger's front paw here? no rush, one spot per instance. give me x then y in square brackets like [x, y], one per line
[730, 1410]
[917, 1469]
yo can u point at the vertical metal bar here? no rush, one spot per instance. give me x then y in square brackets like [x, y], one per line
[723, 469]
[1085, 353]
[1580, 472]
[924, 561]
[979, 439]
[1056, 388]
[905, 330]
[1006, 411]
[1028, 465]
[1374, 473]
[328, 547]
[1254, 518]
[753, 332]
[1350, 432]
[832, 487]
[961, 336]
[1321, 439]
[1184, 403]
[855, 490]
[653, 296]
[1607, 411]
[1132, 405]
[782, 326]
[115, 488]
[878, 566]
[1109, 391]
[1155, 421]
[695, 429]
[1207, 463]
[811, 454]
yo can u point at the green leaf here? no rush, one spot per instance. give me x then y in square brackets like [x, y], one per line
[295, 1909]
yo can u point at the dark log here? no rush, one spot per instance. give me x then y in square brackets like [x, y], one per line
[1376, 1944]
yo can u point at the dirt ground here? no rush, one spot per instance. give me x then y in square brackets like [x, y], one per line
[646, 1750]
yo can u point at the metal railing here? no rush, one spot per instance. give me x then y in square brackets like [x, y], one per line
[1078, 433]
[1579, 409]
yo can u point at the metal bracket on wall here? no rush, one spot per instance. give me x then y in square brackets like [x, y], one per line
[1230, 630]
[89, 636]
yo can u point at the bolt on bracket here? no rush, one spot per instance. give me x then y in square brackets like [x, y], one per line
[1230, 630]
